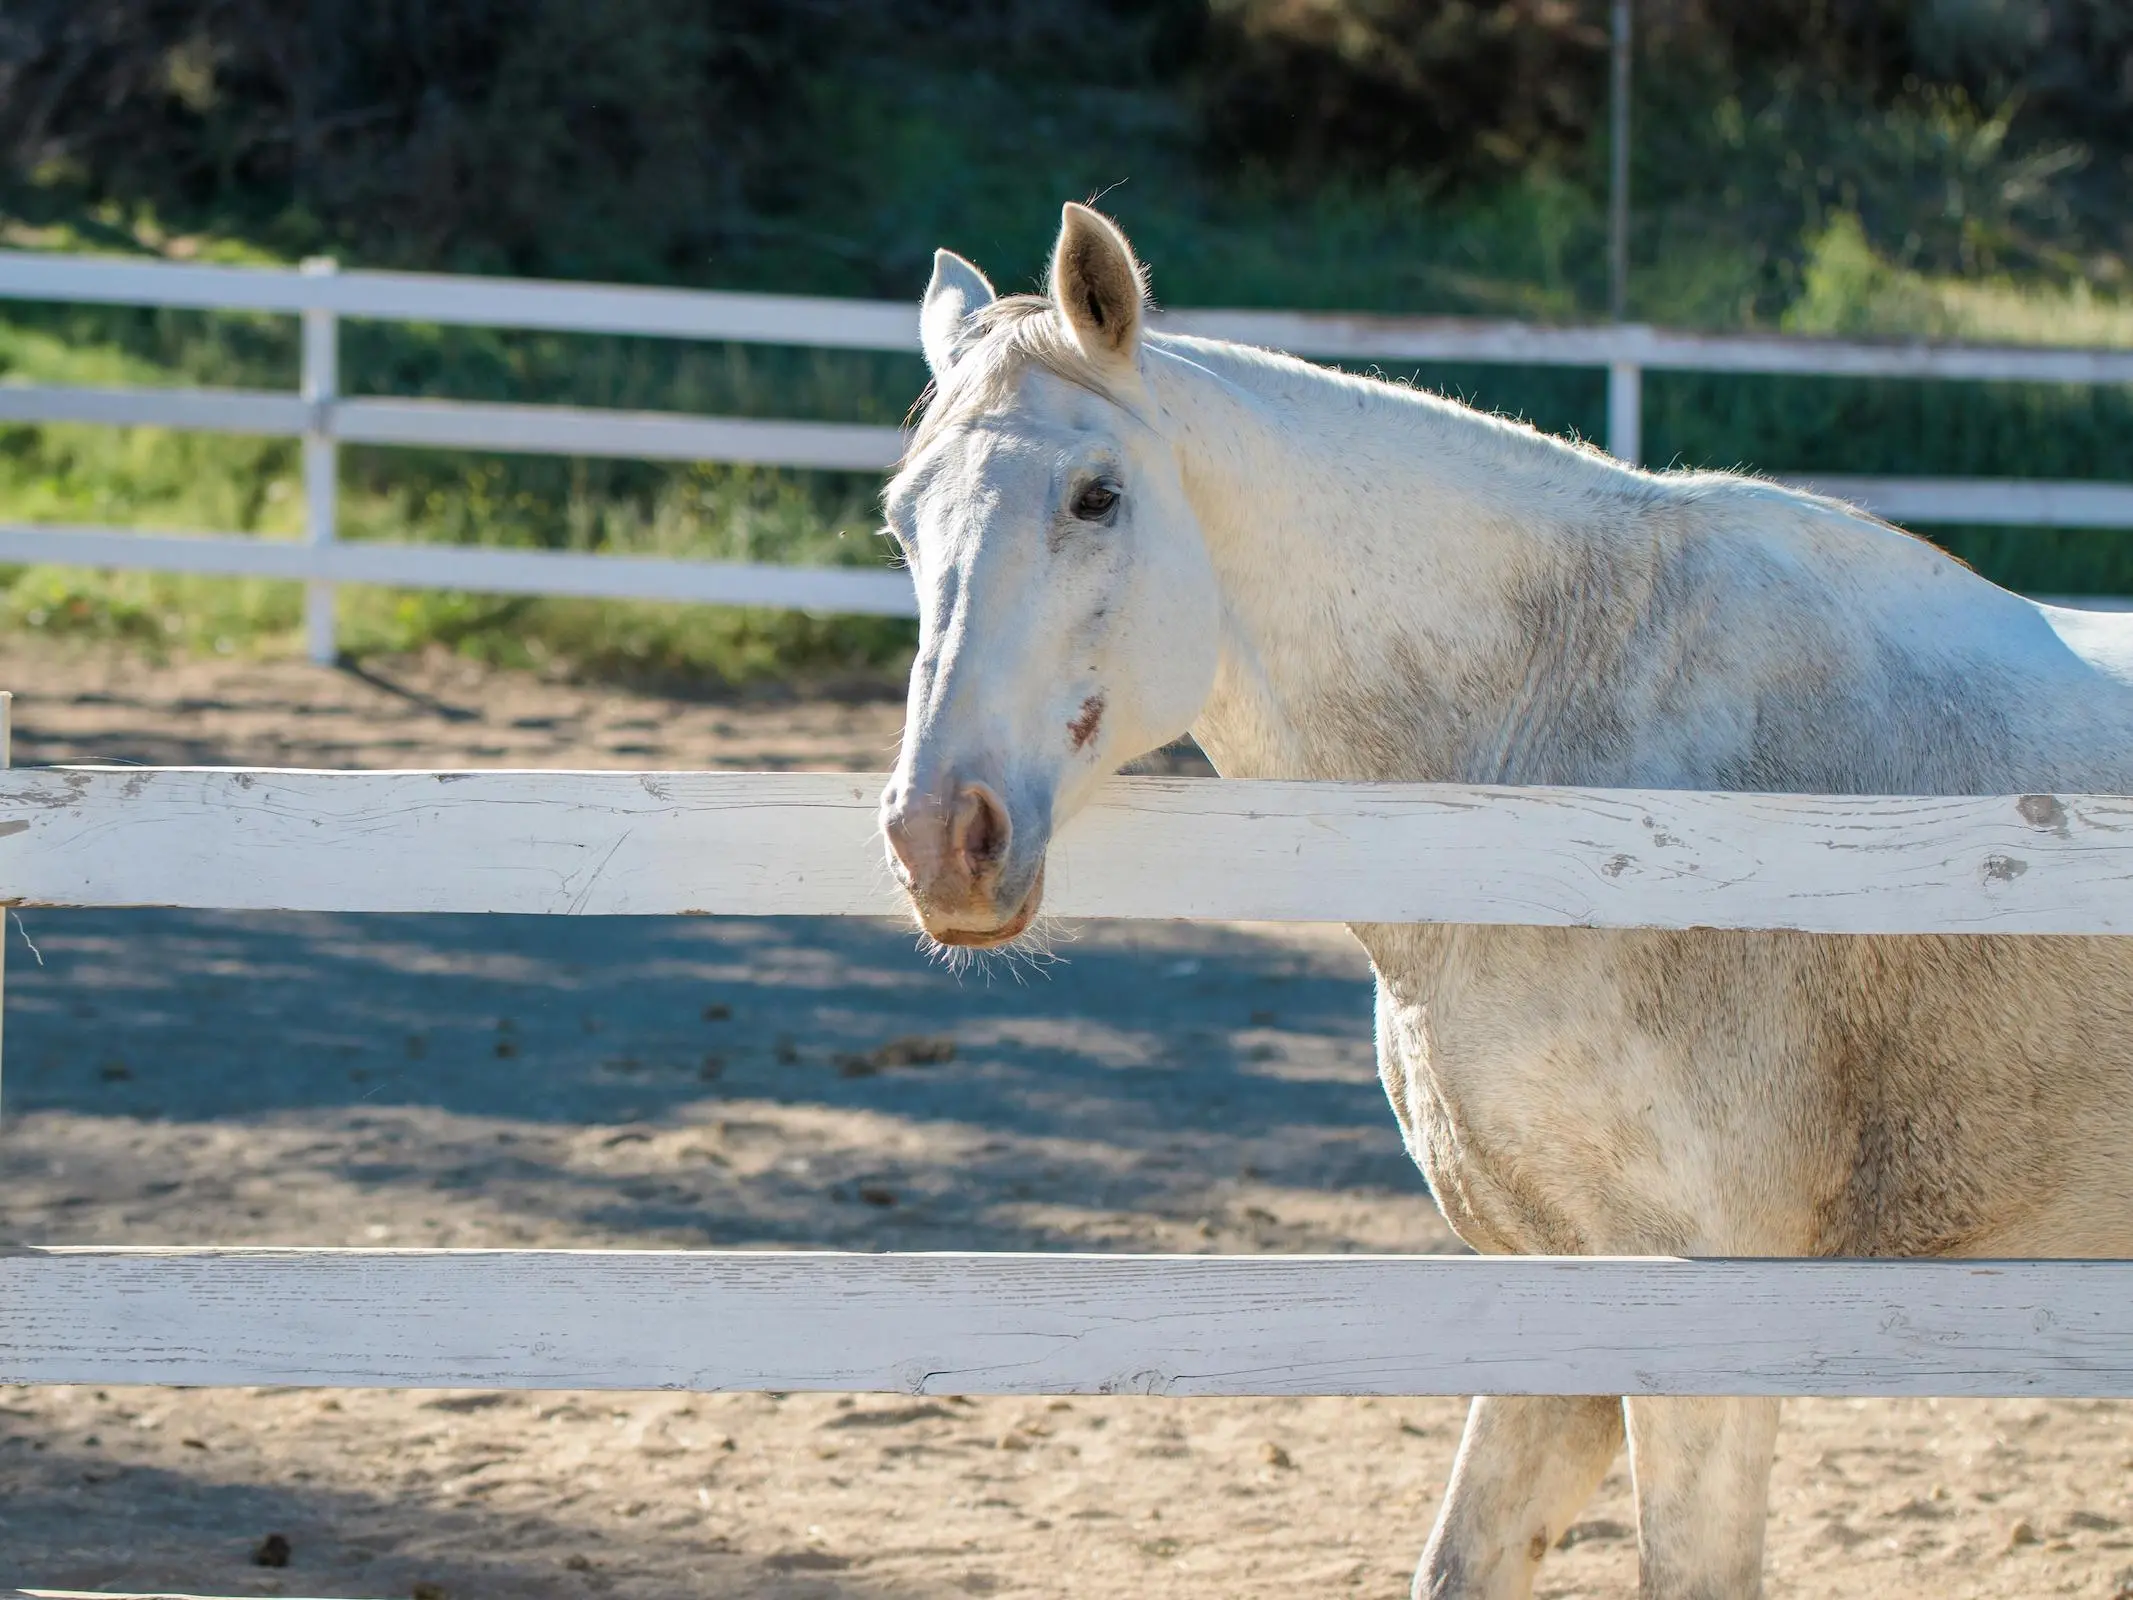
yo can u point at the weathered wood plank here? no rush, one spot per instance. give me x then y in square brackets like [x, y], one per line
[208, 410]
[484, 569]
[893, 325]
[2008, 502]
[1061, 1324]
[762, 844]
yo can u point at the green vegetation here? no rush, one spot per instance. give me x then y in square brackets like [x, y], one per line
[1887, 169]
[155, 479]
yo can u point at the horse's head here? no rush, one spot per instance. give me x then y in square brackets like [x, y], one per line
[1068, 617]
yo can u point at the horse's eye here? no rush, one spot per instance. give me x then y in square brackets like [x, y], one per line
[1094, 503]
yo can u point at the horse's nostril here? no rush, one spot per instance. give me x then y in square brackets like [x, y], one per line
[980, 828]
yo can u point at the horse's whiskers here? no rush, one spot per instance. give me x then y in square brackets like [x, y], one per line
[1031, 951]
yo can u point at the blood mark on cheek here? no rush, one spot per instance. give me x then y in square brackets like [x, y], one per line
[1083, 728]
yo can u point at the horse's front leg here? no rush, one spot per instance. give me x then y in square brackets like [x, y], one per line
[1702, 1470]
[1525, 1465]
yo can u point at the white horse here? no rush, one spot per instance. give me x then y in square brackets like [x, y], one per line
[1118, 536]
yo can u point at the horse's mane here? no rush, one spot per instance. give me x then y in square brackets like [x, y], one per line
[1004, 339]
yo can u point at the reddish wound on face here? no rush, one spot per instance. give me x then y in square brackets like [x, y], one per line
[1083, 727]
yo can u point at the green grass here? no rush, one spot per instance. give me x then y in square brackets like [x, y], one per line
[153, 478]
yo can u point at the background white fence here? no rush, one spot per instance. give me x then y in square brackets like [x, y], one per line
[324, 418]
[654, 843]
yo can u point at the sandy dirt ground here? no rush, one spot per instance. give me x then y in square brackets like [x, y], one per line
[190, 1078]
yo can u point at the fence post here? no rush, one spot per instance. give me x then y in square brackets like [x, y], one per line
[1625, 412]
[7, 739]
[321, 386]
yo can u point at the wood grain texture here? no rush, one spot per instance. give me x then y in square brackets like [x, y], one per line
[1064, 1324]
[760, 844]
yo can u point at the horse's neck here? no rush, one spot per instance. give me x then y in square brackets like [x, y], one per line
[1394, 569]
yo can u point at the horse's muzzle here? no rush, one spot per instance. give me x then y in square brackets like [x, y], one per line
[953, 851]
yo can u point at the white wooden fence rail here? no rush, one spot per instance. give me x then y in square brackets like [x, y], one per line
[893, 325]
[323, 418]
[1064, 1324]
[857, 590]
[770, 844]
[765, 844]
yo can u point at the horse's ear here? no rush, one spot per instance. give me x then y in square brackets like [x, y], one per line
[958, 290]
[1097, 285]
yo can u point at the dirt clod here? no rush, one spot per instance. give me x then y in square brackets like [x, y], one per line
[912, 1050]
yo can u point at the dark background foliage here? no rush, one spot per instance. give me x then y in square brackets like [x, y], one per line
[1483, 87]
[580, 138]
[561, 136]
[640, 138]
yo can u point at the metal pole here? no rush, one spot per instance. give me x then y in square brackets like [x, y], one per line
[321, 385]
[1618, 170]
[1625, 381]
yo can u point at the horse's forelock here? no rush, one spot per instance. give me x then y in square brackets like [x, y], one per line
[1010, 336]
